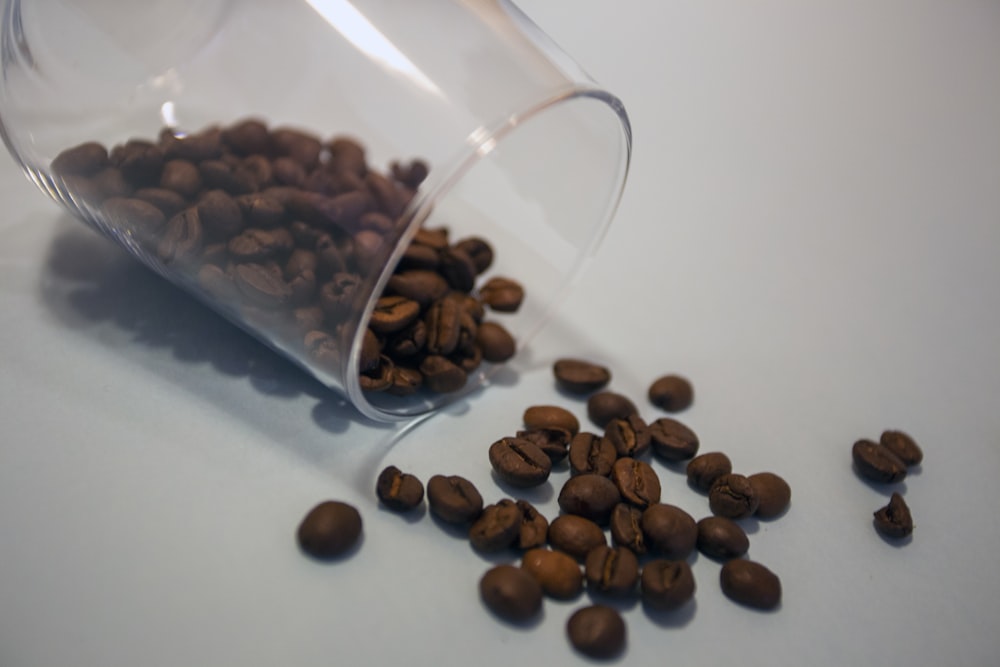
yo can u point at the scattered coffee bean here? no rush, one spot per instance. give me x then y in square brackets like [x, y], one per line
[733, 496]
[441, 375]
[399, 491]
[721, 538]
[773, 493]
[704, 469]
[597, 631]
[671, 440]
[576, 376]
[590, 496]
[750, 583]
[454, 499]
[894, 520]
[575, 535]
[590, 453]
[611, 571]
[669, 531]
[497, 528]
[877, 463]
[329, 530]
[666, 584]
[496, 343]
[637, 482]
[903, 446]
[520, 462]
[557, 572]
[604, 406]
[553, 441]
[626, 528]
[630, 436]
[511, 593]
[551, 416]
[672, 393]
[502, 294]
[534, 530]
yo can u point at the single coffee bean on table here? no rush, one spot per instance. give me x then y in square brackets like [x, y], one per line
[672, 393]
[553, 441]
[626, 528]
[497, 528]
[520, 462]
[666, 584]
[704, 469]
[454, 499]
[597, 631]
[329, 530]
[575, 535]
[637, 482]
[751, 584]
[576, 376]
[721, 538]
[630, 436]
[604, 406]
[903, 446]
[511, 593]
[671, 440]
[551, 416]
[534, 530]
[877, 463]
[558, 573]
[773, 493]
[591, 453]
[612, 571]
[502, 294]
[590, 496]
[669, 531]
[399, 491]
[894, 520]
[733, 496]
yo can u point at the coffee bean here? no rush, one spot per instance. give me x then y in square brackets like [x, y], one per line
[454, 499]
[496, 343]
[553, 441]
[140, 161]
[502, 294]
[534, 531]
[519, 462]
[255, 245]
[220, 215]
[479, 250]
[611, 570]
[629, 436]
[133, 213]
[590, 453]
[669, 531]
[420, 285]
[604, 406]
[441, 375]
[204, 145]
[168, 201]
[220, 175]
[704, 469]
[557, 572]
[405, 381]
[666, 584]
[903, 446]
[576, 376]
[575, 535]
[671, 440]
[497, 528]
[337, 296]
[301, 146]
[551, 416]
[721, 538]
[393, 313]
[750, 583]
[412, 175]
[329, 530]
[597, 631]
[347, 154]
[590, 496]
[511, 593]
[217, 283]
[773, 494]
[626, 528]
[261, 286]
[83, 160]
[636, 481]
[247, 137]
[894, 520]
[181, 239]
[877, 462]
[733, 496]
[399, 491]
[182, 177]
[672, 393]
[457, 268]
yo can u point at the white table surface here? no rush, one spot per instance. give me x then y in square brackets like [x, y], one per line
[810, 232]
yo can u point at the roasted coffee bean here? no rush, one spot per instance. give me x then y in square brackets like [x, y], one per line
[412, 174]
[303, 288]
[604, 406]
[497, 528]
[308, 318]
[419, 256]
[557, 572]
[329, 530]
[750, 583]
[220, 175]
[629, 436]
[733, 496]
[511, 593]
[626, 528]
[553, 441]
[140, 161]
[254, 245]
[371, 349]
[534, 531]
[637, 482]
[296, 144]
[135, 214]
[894, 520]
[337, 296]
[666, 584]
[261, 286]
[520, 462]
[669, 531]
[321, 347]
[261, 211]
[247, 137]
[259, 169]
[773, 494]
[903, 446]
[576, 376]
[441, 375]
[168, 201]
[502, 294]
[611, 570]
[443, 321]
[347, 154]
[204, 145]
[721, 538]
[424, 287]
[704, 469]
[405, 381]
[590, 496]
[393, 313]
[671, 440]
[380, 377]
[597, 631]
[590, 453]
[83, 160]
[287, 171]
[672, 393]
[388, 198]
[454, 499]
[409, 341]
[182, 177]
[551, 416]
[495, 341]
[217, 283]
[398, 490]
[877, 462]
[457, 268]
[479, 250]
[220, 215]
[181, 238]
[575, 535]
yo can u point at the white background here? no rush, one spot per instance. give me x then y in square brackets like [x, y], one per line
[810, 232]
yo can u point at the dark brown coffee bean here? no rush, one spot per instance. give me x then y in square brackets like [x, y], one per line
[576, 376]
[255, 245]
[671, 440]
[590, 453]
[773, 494]
[301, 146]
[308, 318]
[750, 584]
[575, 535]
[669, 531]
[636, 481]
[220, 215]
[443, 321]
[371, 348]
[894, 520]
[329, 530]
[322, 348]
[441, 375]
[551, 416]
[347, 154]
[626, 528]
[590, 496]
[511, 593]
[496, 343]
[393, 313]
[557, 572]
[666, 584]
[604, 406]
[419, 256]
[182, 177]
[534, 530]
[386, 194]
[247, 137]
[422, 286]
[502, 294]
[133, 214]
[168, 201]
[454, 499]
[733, 496]
[704, 469]
[259, 169]
[553, 441]
[497, 528]
[597, 631]
[398, 490]
[629, 436]
[409, 341]
[182, 237]
[877, 462]
[109, 182]
[721, 538]
[611, 570]
[220, 175]
[412, 174]
[204, 145]
[261, 211]
[337, 296]
[903, 446]
[261, 286]
[83, 160]
[300, 261]
[405, 381]
[672, 393]
[457, 268]
[140, 161]
[479, 250]
[519, 462]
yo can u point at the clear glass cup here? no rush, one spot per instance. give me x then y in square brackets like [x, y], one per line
[521, 148]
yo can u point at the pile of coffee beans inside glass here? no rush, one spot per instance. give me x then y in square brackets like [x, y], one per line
[286, 233]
